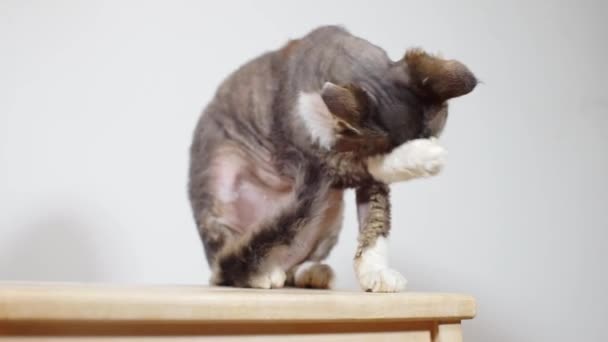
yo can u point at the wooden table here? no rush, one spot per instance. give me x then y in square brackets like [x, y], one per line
[79, 312]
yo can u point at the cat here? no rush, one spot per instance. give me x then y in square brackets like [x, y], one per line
[289, 131]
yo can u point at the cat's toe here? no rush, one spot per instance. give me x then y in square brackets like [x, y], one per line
[434, 165]
[314, 275]
[428, 155]
[382, 280]
[272, 279]
[277, 278]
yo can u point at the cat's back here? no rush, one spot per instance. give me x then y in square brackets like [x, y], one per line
[247, 95]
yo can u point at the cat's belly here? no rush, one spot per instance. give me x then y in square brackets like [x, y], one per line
[247, 192]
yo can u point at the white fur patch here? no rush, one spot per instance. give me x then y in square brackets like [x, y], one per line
[317, 119]
[273, 278]
[413, 159]
[373, 271]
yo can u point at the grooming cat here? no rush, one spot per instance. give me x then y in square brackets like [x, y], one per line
[289, 131]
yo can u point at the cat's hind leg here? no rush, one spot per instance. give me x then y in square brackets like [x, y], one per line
[258, 257]
[313, 273]
[248, 262]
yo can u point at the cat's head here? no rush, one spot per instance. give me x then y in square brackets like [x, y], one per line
[408, 102]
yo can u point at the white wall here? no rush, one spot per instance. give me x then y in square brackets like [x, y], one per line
[98, 101]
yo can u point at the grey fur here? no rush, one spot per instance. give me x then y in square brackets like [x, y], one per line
[253, 110]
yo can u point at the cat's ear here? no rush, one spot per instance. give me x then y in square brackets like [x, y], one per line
[434, 77]
[349, 106]
[334, 117]
[330, 114]
[347, 102]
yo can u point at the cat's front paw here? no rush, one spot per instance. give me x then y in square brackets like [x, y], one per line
[428, 156]
[382, 280]
[413, 159]
[274, 278]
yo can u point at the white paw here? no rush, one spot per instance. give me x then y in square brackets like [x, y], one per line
[429, 156]
[272, 279]
[314, 275]
[415, 158]
[373, 271]
[382, 280]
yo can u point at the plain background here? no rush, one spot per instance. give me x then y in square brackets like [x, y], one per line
[98, 101]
